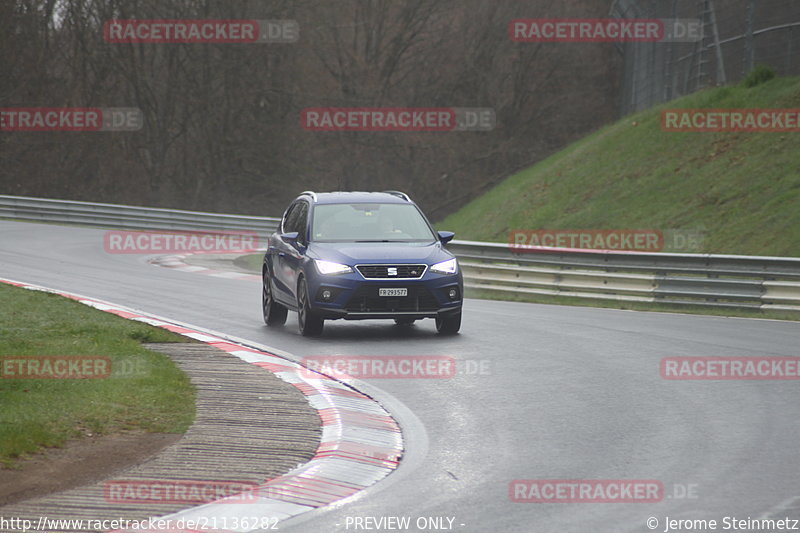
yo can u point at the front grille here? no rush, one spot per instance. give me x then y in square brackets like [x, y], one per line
[365, 299]
[391, 271]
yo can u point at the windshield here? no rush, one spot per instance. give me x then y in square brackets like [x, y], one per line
[370, 223]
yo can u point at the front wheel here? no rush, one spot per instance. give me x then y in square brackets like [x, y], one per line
[310, 323]
[274, 313]
[448, 324]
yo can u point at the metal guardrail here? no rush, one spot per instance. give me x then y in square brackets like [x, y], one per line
[731, 281]
[128, 217]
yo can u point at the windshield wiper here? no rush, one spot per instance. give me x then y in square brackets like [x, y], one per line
[378, 240]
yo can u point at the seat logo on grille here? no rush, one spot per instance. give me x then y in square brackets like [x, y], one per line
[391, 271]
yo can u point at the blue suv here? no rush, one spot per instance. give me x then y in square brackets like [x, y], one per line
[360, 255]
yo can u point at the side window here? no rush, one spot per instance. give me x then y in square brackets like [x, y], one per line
[302, 222]
[290, 218]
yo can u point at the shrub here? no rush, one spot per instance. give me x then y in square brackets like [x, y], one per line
[760, 74]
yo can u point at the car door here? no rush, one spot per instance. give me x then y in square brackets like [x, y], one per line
[292, 261]
[278, 250]
[289, 257]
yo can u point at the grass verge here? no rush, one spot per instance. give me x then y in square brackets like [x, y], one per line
[145, 391]
[742, 190]
[251, 262]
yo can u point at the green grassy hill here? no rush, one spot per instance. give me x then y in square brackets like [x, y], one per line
[741, 189]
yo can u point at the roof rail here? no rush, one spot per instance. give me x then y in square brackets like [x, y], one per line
[399, 194]
[312, 194]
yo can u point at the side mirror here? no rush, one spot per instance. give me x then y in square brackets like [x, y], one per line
[446, 236]
[290, 238]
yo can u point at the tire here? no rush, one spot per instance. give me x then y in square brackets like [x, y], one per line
[310, 324]
[274, 313]
[448, 324]
[403, 321]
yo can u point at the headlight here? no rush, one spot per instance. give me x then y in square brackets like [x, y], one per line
[446, 267]
[328, 268]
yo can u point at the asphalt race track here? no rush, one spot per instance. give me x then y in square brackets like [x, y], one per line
[565, 393]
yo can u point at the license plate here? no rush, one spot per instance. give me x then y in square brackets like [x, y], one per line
[393, 292]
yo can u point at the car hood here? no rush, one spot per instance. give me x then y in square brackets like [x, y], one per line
[379, 252]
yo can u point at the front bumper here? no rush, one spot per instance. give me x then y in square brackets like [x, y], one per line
[333, 314]
[351, 298]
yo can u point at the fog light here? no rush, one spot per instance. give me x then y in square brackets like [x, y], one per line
[452, 294]
[326, 294]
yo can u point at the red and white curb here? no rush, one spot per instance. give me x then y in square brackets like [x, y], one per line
[361, 443]
[176, 262]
